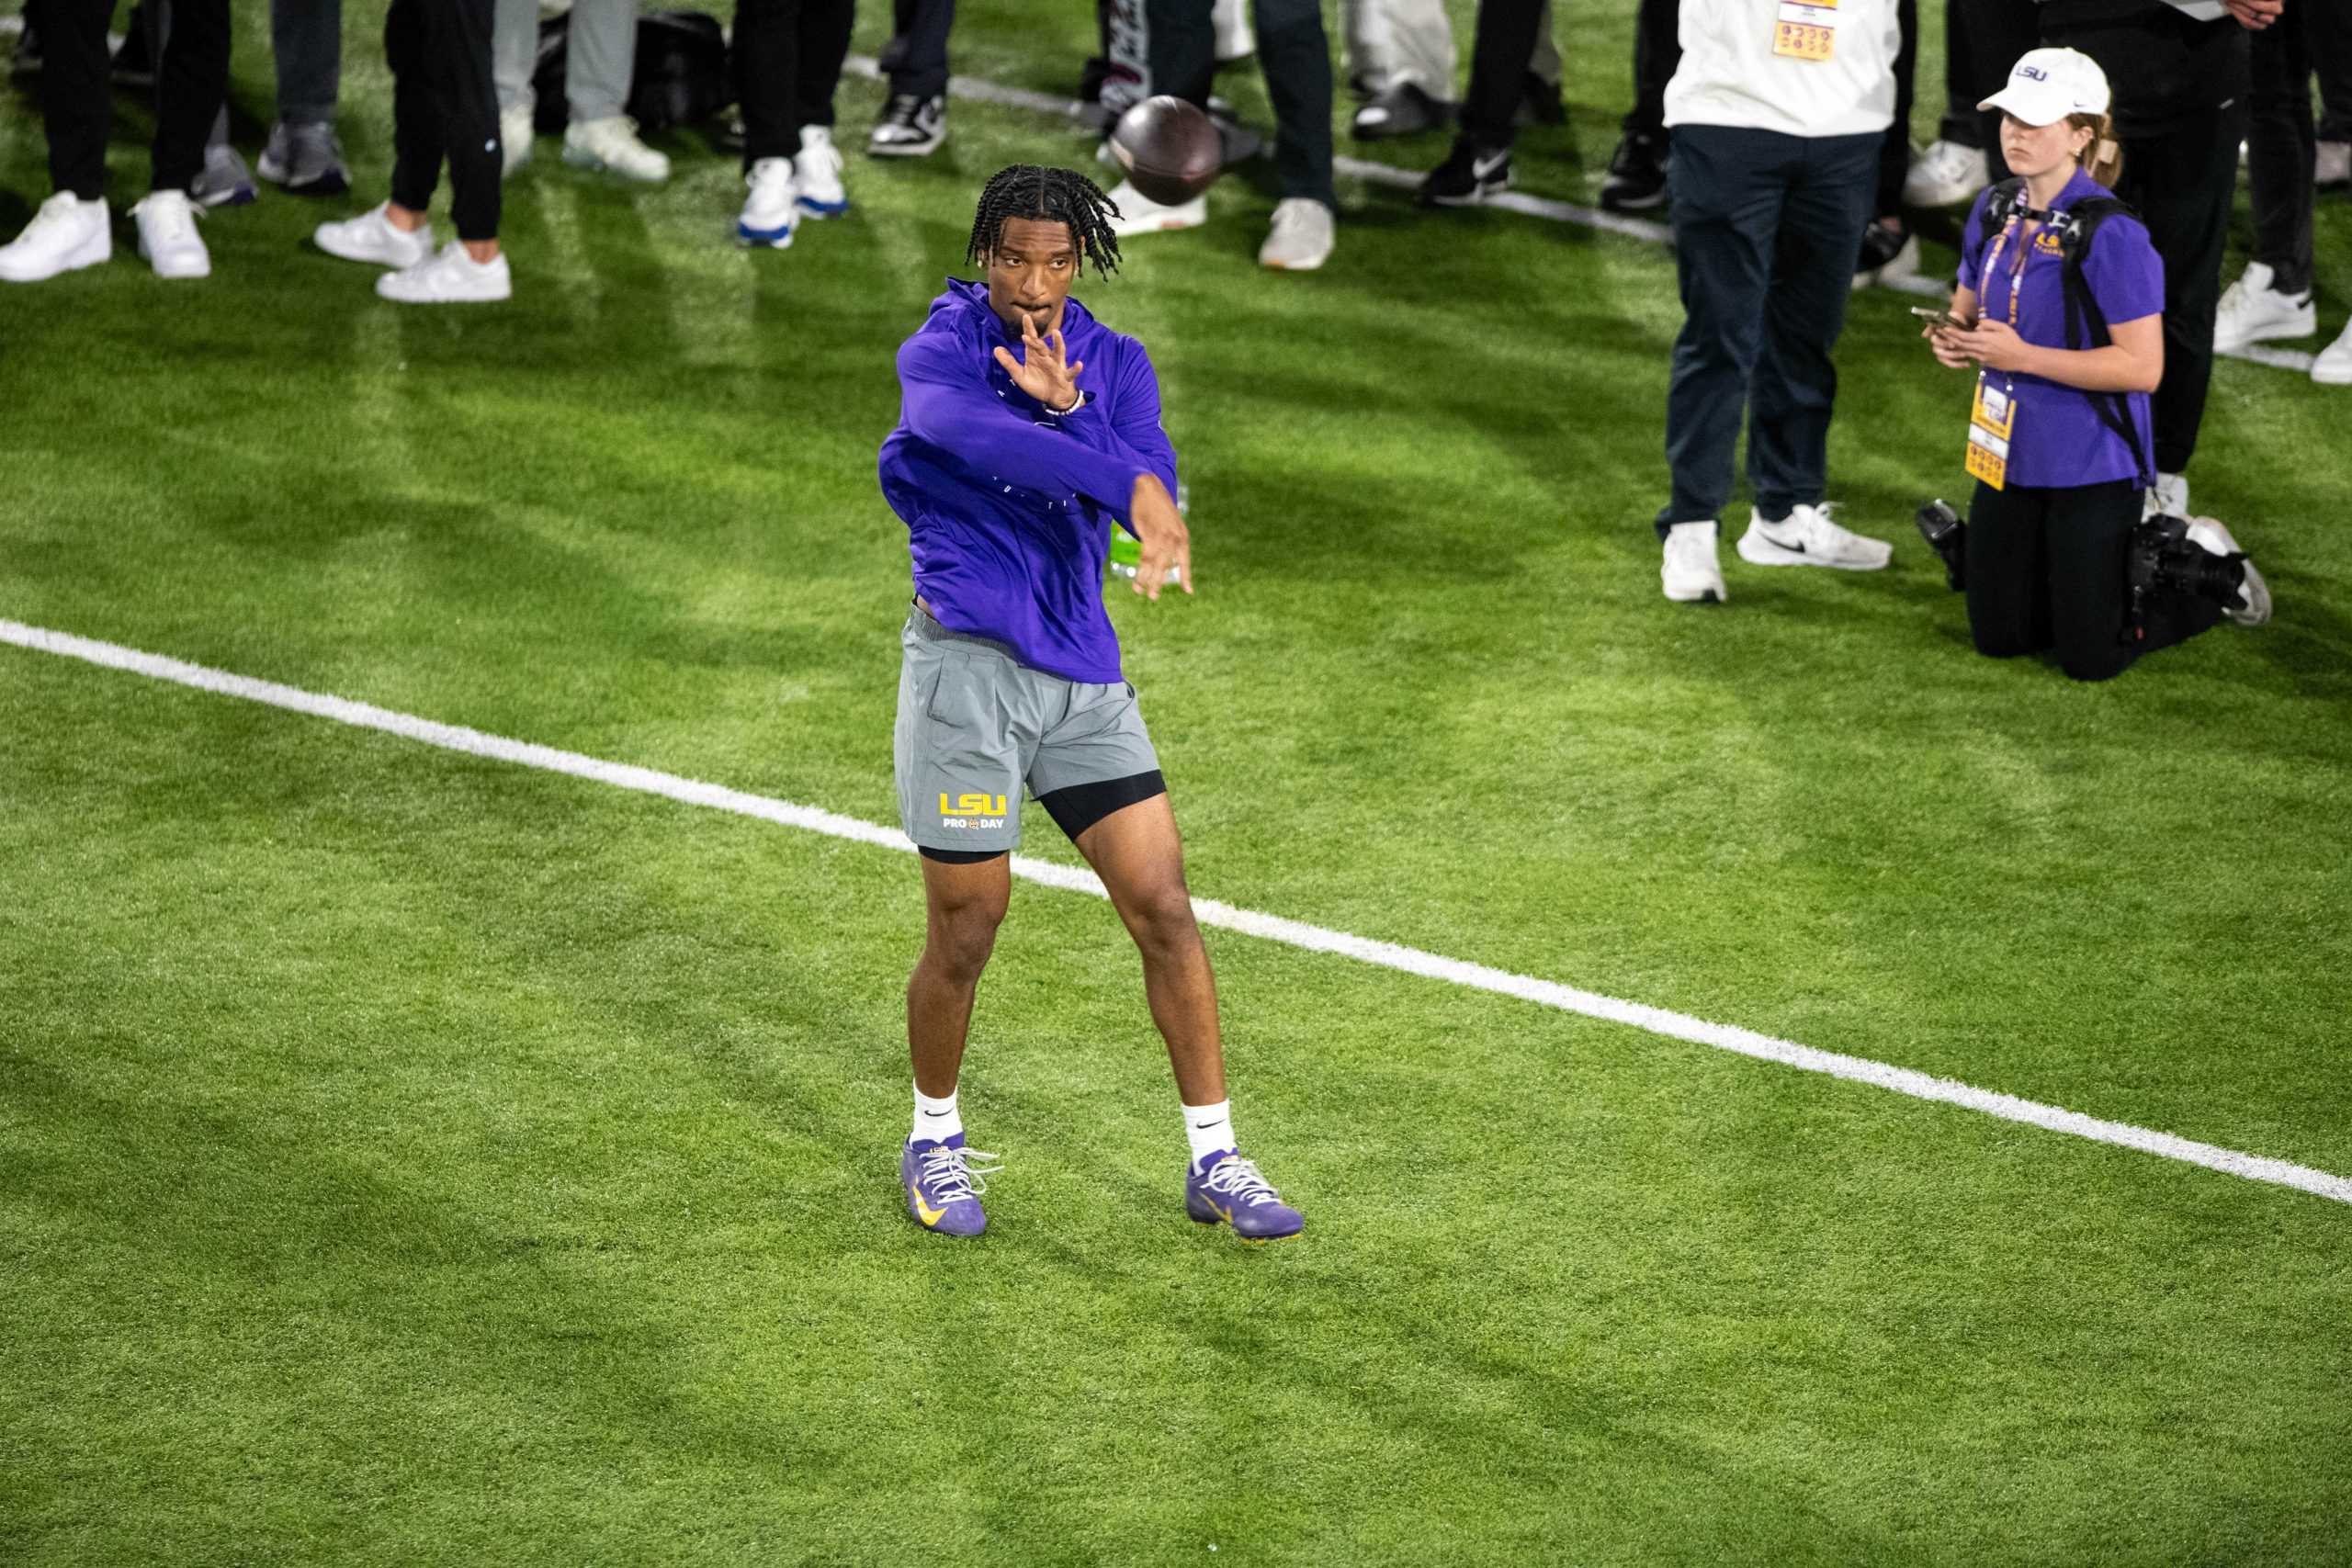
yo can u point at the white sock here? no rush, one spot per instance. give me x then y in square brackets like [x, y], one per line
[1209, 1128]
[936, 1121]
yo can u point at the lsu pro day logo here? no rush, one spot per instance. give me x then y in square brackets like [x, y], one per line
[971, 810]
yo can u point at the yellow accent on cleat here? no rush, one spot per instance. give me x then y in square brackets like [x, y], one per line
[924, 1211]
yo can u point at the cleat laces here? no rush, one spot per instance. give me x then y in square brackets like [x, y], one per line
[950, 1175]
[1237, 1179]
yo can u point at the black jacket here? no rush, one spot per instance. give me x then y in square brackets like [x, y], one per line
[2162, 66]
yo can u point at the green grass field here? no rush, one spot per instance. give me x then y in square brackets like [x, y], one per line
[410, 1159]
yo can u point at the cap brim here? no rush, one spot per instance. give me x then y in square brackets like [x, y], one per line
[2033, 106]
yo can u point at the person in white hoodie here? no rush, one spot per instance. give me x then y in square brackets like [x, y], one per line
[1777, 113]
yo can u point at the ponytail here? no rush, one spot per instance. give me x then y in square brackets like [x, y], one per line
[2103, 159]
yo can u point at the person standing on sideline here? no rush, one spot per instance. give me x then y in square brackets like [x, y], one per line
[599, 56]
[1777, 127]
[1027, 427]
[302, 152]
[914, 116]
[1636, 177]
[72, 229]
[444, 109]
[788, 59]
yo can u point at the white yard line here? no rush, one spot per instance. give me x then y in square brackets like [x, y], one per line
[982, 92]
[1271, 928]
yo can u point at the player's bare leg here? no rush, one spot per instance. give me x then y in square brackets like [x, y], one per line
[964, 906]
[1138, 853]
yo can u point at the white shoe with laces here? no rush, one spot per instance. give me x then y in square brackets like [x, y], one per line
[817, 173]
[167, 235]
[1138, 214]
[2331, 366]
[1945, 176]
[2252, 607]
[451, 278]
[613, 145]
[517, 130]
[1807, 538]
[1690, 573]
[2168, 497]
[772, 210]
[1300, 238]
[65, 235]
[2253, 310]
[372, 237]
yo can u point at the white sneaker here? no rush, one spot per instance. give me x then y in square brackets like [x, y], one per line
[772, 210]
[2332, 163]
[2252, 607]
[371, 237]
[2253, 311]
[1945, 176]
[817, 173]
[517, 130]
[1300, 239]
[65, 235]
[1138, 214]
[167, 235]
[2333, 366]
[613, 145]
[1807, 538]
[1690, 573]
[2168, 497]
[451, 278]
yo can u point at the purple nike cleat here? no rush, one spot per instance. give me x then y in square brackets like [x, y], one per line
[943, 1186]
[1230, 1188]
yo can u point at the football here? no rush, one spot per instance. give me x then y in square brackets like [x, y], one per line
[1168, 148]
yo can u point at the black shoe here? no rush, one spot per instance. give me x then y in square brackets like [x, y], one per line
[1399, 109]
[1636, 180]
[1539, 103]
[1887, 252]
[910, 126]
[1469, 176]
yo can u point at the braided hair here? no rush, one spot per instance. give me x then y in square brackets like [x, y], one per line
[1051, 195]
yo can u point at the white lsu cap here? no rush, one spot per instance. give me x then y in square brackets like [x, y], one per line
[2047, 84]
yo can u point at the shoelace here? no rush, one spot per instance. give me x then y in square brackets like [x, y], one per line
[172, 231]
[1237, 1179]
[951, 1174]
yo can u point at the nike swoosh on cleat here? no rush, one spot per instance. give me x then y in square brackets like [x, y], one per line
[924, 1211]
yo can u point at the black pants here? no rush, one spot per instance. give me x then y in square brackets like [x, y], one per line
[1894, 148]
[1658, 49]
[445, 107]
[1982, 41]
[2281, 147]
[1765, 229]
[1499, 55]
[916, 56]
[1295, 55]
[77, 103]
[2046, 574]
[788, 59]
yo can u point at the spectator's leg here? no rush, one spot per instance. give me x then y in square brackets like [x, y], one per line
[824, 43]
[1999, 32]
[2182, 183]
[1498, 59]
[1180, 39]
[306, 37]
[464, 99]
[2327, 33]
[599, 54]
[1658, 49]
[1423, 44]
[1296, 56]
[1894, 147]
[1544, 61]
[1962, 124]
[77, 105]
[2281, 148]
[766, 57]
[2009, 571]
[1796, 381]
[918, 65]
[514, 50]
[1126, 27]
[191, 84]
[416, 125]
[1727, 186]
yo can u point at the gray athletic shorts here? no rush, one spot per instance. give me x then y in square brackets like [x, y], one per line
[975, 726]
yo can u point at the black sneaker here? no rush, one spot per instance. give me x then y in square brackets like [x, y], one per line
[1399, 109]
[910, 126]
[1469, 176]
[1887, 252]
[1636, 180]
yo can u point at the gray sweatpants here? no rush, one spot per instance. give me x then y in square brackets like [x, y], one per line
[1410, 40]
[599, 55]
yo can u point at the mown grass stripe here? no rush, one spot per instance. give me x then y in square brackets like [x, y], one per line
[1271, 928]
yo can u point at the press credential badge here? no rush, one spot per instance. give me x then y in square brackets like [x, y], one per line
[1805, 30]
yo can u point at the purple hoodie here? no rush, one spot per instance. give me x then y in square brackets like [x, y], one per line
[1007, 506]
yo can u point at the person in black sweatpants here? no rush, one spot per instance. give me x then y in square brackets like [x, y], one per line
[788, 60]
[444, 109]
[77, 103]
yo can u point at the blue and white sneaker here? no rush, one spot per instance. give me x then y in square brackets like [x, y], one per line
[1229, 1189]
[817, 173]
[944, 1185]
[770, 212]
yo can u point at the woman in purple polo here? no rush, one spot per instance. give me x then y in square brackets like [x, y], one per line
[2058, 435]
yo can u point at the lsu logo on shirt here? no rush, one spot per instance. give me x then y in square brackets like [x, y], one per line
[972, 809]
[2046, 243]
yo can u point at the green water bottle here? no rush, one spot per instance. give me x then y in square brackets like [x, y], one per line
[1127, 550]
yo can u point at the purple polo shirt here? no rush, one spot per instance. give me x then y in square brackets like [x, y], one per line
[2059, 441]
[1007, 505]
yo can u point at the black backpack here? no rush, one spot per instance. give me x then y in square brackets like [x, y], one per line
[2086, 323]
[681, 76]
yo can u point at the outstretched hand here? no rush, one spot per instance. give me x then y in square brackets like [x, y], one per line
[1045, 370]
[1157, 525]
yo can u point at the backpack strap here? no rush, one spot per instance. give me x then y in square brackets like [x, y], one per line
[2086, 323]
